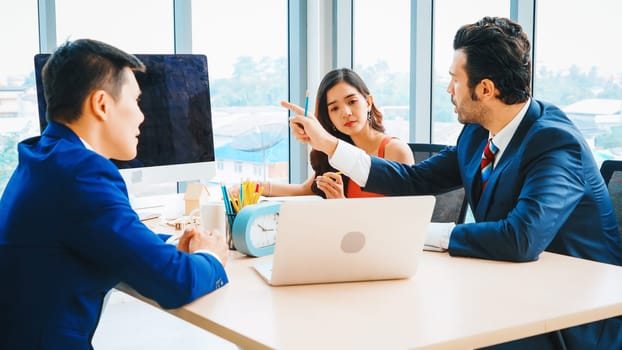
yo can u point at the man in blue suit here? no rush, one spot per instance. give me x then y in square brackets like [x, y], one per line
[536, 188]
[67, 231]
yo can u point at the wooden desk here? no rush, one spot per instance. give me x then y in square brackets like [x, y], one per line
[451, 303]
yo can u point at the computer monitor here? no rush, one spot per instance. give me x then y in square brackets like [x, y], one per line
[176, 141]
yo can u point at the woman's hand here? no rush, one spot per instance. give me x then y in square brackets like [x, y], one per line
[331, 184]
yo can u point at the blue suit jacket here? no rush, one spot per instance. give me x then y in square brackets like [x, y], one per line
[545, 193]
[68, 235]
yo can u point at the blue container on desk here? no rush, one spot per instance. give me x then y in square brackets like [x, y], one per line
[254, 229]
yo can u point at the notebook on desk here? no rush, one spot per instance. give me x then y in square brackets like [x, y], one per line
[343, 240]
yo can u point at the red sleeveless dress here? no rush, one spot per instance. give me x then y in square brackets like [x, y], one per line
[353, 190]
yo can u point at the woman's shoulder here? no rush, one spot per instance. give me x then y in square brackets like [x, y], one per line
[389, 141]
[397, 149]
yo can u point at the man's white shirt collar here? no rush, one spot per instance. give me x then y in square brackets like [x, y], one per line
[86, 144]
[504, 136]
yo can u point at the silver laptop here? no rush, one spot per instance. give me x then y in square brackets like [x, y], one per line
[341, 240]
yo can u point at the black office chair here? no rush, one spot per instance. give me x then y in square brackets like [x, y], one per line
[451, 206]
[611, 170]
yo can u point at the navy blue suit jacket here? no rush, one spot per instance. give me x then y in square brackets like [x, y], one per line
[68, 235]
[545, 193]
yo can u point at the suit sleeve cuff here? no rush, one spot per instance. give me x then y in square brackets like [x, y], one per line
[353, 161]
[175, 239]
[205, 251]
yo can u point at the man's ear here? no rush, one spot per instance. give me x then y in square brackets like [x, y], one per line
[487, 88]
[97, 102]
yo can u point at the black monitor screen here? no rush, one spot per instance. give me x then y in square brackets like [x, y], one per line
[176, 103]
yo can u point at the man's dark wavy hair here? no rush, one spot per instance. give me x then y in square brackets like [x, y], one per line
[497, 49]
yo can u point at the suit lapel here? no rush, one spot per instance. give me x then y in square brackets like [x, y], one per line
[508, 155]
[476, 141]
[491, 187]
[475, 173]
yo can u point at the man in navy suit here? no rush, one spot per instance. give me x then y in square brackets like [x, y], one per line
[67, 231]
[541, 190]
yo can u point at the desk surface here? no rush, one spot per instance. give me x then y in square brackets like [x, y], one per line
[451, 303]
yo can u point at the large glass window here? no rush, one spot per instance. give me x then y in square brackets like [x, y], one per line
[245, 42]
[384, 64]
[137, 26]
[450, 15]
[248, 68]
[577, 69]
[18, 108]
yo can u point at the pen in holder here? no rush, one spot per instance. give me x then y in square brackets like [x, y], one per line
[230, 220]
[249, 194]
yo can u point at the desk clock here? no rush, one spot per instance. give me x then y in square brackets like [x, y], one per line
[254, 229]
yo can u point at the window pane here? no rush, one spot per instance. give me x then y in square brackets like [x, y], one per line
[245, 42]
[136, 26]
[18, 109]
[580, 73]
[384, 64]
[450, 15]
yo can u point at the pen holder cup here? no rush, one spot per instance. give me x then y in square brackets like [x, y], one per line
[229, 237]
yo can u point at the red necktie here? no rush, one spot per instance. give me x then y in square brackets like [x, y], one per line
[488, 159]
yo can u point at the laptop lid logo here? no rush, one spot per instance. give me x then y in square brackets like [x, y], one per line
[352, 242]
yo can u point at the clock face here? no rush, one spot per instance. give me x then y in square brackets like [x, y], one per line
[254, 229]
[263, 230]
